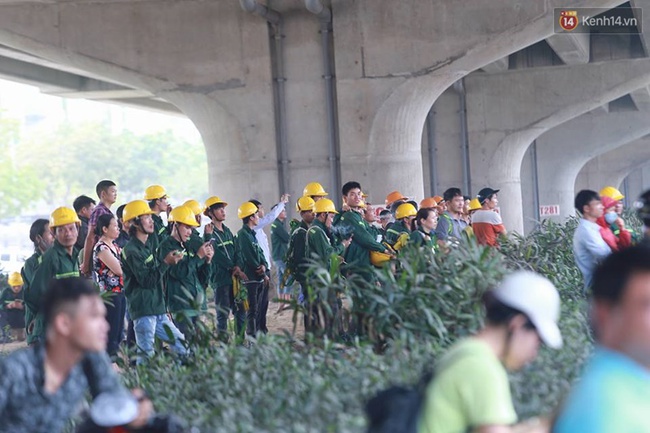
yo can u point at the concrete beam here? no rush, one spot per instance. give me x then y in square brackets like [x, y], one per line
[641, 98]
[506, 112]
[644, 5]
[500, 65]
[612, 167]
[574, 143]
[637, 182]
[572, 48]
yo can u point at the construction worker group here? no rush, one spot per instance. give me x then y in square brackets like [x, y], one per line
[156, 275]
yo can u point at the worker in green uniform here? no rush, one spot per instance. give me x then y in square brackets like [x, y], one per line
[319, 246]
[424, 235]
[60, 261]
[185, 283]
[12, 309]
[250, 258]
[224, 269]
[357, 255]
[156, 195]
[143, 282]
[404, 216]
[296, 254]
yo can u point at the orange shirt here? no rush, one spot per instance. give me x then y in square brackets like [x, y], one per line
[487, 225]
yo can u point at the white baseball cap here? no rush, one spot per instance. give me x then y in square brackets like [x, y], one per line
[538, 299]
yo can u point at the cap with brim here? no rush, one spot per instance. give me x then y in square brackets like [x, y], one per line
[485, 193]
[538, 299]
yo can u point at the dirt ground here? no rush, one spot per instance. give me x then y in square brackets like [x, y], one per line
[278, 323]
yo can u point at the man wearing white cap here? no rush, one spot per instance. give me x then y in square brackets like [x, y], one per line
[471, 389]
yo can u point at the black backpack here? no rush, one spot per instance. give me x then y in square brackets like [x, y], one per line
[397, 409]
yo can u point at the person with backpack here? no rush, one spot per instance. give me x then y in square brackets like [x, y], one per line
[471, 389]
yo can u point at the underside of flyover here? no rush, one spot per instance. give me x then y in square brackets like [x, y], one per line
[416, 96]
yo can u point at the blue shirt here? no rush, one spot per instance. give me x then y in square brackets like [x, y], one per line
[613, 396]
[589, 248]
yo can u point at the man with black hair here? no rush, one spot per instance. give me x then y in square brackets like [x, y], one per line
[451, 224]
[614, 392]
[41, 387]
[357, 255]
[107, 192]
[84, 206]
[42, 238]
[297, 250]
[143, 282]
[58, 262]
[123, 238]
[589, 247]
[486, 222]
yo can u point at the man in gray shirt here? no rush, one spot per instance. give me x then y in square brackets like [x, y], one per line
[450, 223]
[42, 387]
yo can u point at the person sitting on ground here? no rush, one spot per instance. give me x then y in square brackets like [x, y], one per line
[42, 386]
[609, 218]
[589, 248]
[614, 392]
[471, 390]
[12, 308]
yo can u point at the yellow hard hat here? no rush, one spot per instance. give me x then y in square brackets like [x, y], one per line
[195, 206]
[305, 204]
[63, 216]
[474, 204]
[183, 215]
[362, 204]
[405, 210]
[214, 200]
[314, 189]
[154, 192]
[393, 197]
[611, 192]
[134, 209]
[378, 258]
[324, 205]
[15, 279]
[246, 209]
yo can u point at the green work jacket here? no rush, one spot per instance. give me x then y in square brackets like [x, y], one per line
[143, 279]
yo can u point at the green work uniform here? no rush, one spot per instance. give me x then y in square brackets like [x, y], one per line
[56, 263]
[143, 279]
[358, 253]
[395, 230]
[186, 276]
[296, 254]
[419, 238]
[159, 232]
[7, 296]
[318, 242]
[250, 255]
[225, 257]
[279, 240]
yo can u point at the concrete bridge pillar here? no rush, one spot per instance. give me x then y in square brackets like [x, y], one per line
[563, 151]
[507, 111]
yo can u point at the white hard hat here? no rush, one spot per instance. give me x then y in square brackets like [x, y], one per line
[538, 299]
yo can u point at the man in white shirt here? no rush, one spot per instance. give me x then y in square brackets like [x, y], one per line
[589, 247]
[263, 241]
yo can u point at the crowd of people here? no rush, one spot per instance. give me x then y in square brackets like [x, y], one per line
[154, 278]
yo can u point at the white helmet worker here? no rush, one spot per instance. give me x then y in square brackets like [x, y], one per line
[538, 299]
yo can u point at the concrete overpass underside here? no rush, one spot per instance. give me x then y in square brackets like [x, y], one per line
[416, 96]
